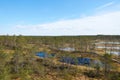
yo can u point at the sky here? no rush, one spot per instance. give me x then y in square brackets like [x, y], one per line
[59, 17]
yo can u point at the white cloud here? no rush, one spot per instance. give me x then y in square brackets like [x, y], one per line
[108, 23]
[106, 5]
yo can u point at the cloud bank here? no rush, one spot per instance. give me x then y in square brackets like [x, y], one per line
[108, 23]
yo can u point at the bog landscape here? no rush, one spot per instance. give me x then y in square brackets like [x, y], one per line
[59, 39]
[60, 57]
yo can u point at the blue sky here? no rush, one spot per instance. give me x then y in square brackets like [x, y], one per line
[59, 17]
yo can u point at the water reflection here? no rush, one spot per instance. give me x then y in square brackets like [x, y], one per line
[67, 49]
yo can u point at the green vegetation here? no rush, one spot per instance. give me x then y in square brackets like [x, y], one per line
[18, 60]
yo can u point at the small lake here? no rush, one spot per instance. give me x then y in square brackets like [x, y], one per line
[75, 61]
[104, 42]
[113, 52]
[109, 51]
[45, 55]
[81, 61]
[102, 47]
[67, 49]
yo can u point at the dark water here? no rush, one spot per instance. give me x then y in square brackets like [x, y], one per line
[82, 61]
[71, 60]
[76, 61]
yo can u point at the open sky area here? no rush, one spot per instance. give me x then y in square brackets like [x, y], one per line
[59, 17]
